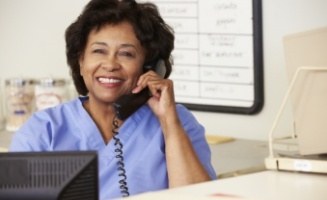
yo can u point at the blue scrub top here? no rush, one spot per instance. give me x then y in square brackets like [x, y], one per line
[69, 127]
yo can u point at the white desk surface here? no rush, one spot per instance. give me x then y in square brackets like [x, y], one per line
[266, 185]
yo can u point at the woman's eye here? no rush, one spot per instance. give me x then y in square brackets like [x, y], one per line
[126, 53]
[99, 51]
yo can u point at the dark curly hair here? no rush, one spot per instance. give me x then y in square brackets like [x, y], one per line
[154, 34]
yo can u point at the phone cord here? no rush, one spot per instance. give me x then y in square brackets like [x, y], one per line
[120, 159]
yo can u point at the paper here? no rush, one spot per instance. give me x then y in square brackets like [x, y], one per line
[218, 139]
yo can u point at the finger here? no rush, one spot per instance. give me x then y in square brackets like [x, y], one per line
[157, 87]
[144, 81]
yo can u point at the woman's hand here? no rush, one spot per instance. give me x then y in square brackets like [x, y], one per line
[162, 101]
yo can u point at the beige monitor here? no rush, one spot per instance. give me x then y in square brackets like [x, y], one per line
[309, 97]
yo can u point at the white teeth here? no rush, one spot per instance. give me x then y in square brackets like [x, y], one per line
[108, 80]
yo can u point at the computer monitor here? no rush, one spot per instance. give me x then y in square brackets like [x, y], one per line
[49, 175]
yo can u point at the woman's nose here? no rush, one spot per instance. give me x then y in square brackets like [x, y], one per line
[110, 64]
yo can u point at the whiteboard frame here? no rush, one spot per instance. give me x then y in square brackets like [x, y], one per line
[257, 70]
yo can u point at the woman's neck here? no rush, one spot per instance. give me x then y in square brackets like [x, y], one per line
[103, 116]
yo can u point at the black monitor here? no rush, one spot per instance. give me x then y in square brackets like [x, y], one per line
[64, 175]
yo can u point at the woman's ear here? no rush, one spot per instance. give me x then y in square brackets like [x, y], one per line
[81, 64]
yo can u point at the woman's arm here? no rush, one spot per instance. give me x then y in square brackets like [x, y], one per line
[183, 165]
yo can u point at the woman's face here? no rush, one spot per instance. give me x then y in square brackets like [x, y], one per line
[112, 62]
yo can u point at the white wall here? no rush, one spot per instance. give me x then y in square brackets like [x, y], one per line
[32, 45]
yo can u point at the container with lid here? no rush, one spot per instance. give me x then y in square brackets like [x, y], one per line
[50, 92]
[19, 101]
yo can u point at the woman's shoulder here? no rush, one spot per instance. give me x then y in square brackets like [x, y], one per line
[184, 113]
[46, 122]
[182, 109]
[73, 105]
[55, 115]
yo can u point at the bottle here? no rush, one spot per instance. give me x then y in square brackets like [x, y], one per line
[19, 101]
[50, 92]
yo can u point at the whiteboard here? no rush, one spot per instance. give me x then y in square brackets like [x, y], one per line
[218, 64]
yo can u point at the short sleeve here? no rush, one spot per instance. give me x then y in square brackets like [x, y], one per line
[196, 134]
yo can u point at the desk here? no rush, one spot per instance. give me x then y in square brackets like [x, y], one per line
[266, 185]
[238, 157]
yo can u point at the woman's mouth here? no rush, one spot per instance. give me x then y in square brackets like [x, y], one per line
[109, 80]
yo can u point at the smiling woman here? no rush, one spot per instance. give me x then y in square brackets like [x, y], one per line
[109, 48]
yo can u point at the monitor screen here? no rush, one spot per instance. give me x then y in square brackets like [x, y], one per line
[49, 175]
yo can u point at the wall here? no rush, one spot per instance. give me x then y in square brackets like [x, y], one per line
[32, 45]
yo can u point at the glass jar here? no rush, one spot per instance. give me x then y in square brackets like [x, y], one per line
[19, 101]
[2, 117]
[50, 92]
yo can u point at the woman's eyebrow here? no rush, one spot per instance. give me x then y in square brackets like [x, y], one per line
[122, 45]
[128, 45]
[100, 43]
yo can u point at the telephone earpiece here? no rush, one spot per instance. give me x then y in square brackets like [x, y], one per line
[158, 66]
[128, 104]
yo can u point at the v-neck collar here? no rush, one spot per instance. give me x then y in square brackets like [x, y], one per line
[90, 131]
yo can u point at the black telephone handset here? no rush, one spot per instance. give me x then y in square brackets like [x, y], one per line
[128, 104]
